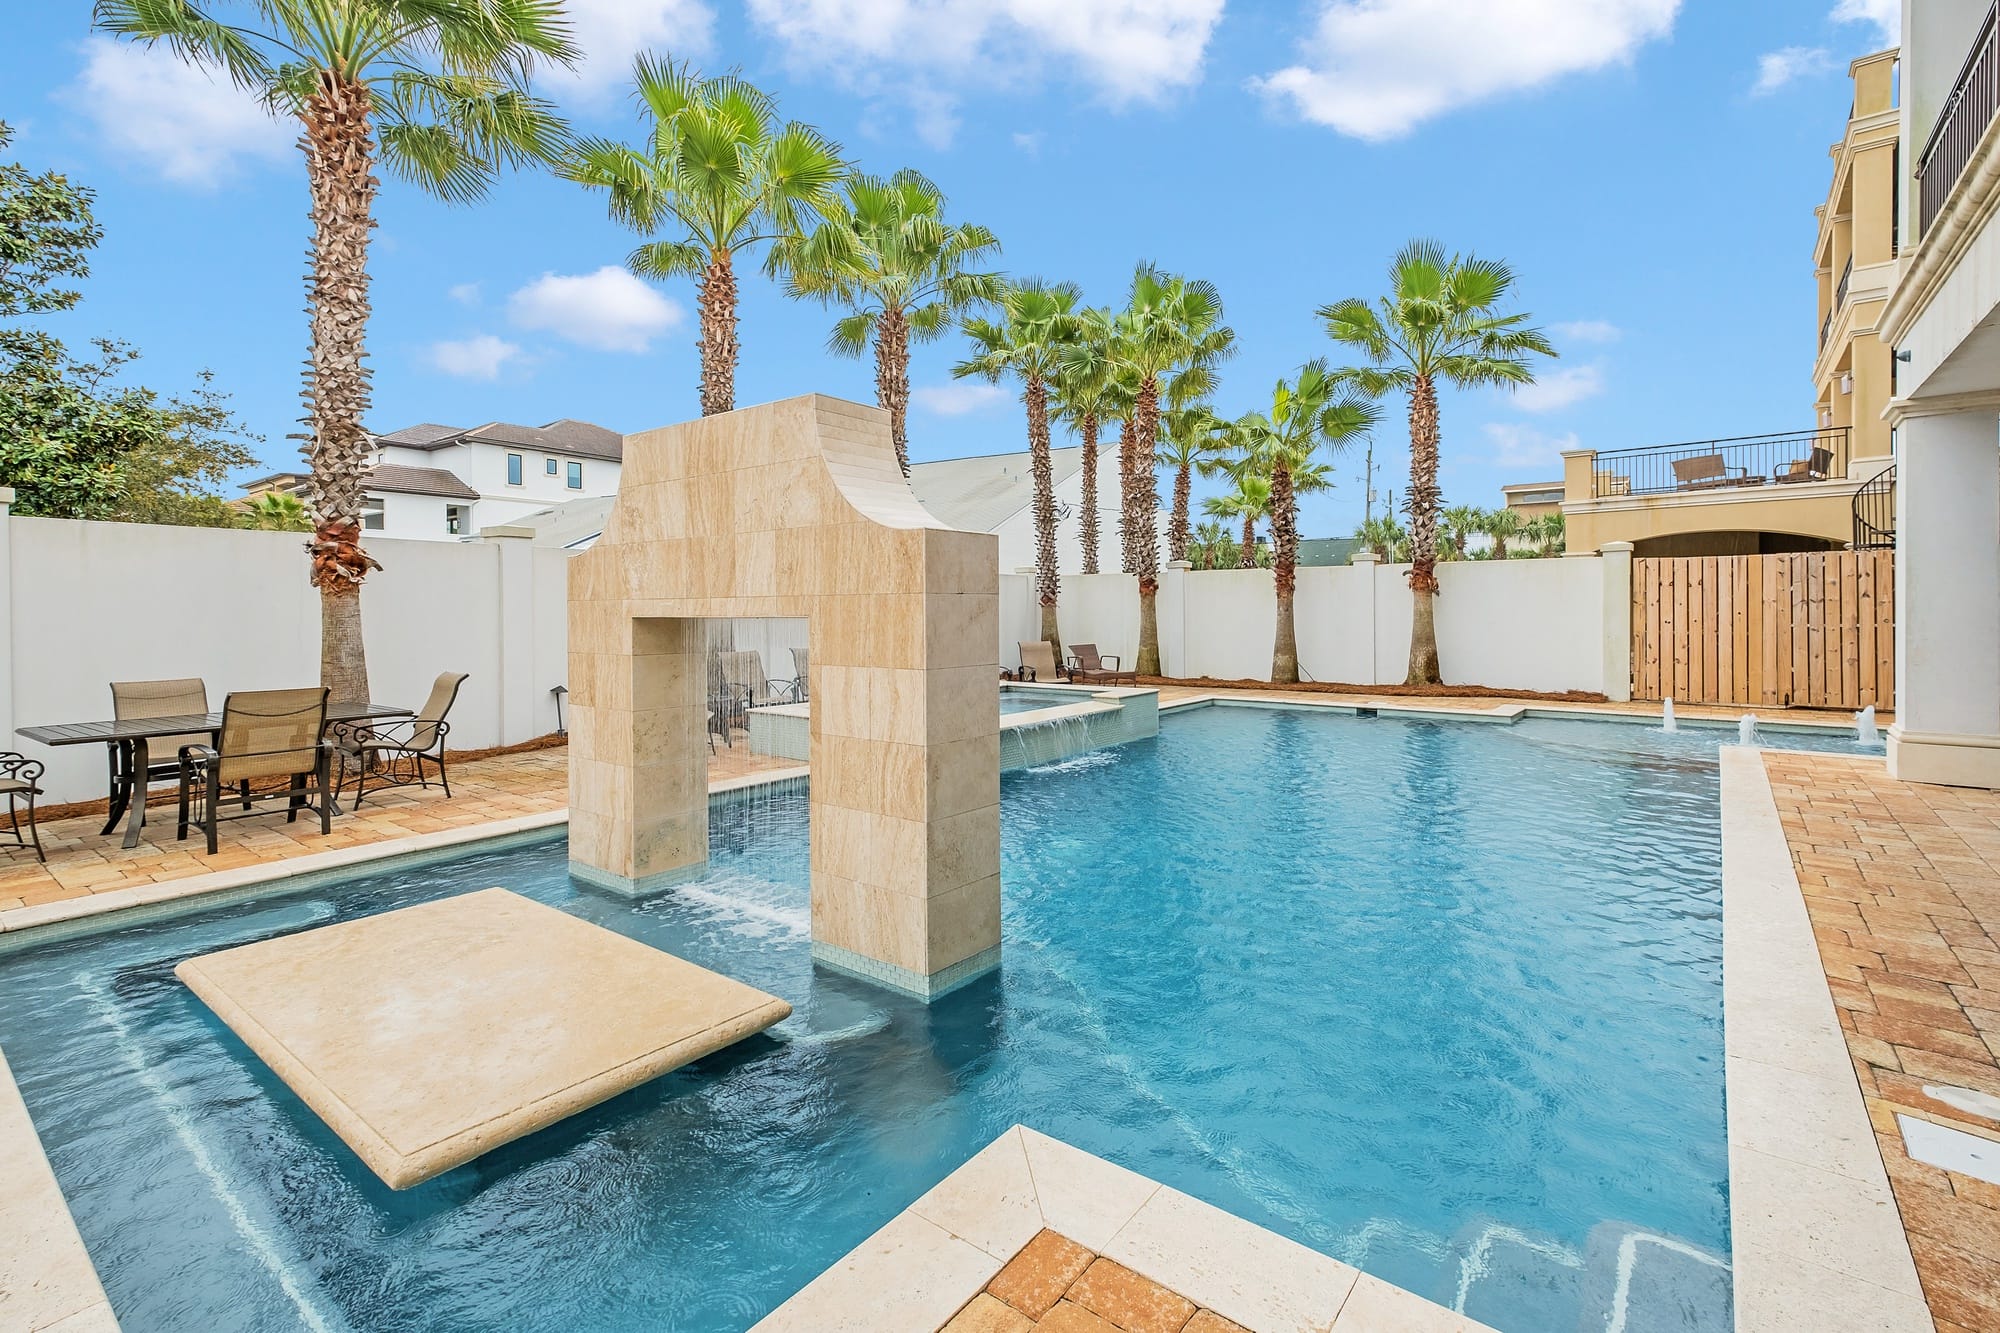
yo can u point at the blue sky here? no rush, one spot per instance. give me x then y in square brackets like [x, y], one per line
[1649, 168]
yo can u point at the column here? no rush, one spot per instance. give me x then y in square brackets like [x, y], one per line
[1366, 561]
[522, 699]
[1171, 610]
[1947, 727]
[1617, 620]
[7, 625]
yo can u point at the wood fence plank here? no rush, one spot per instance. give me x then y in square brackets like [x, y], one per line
[1767, 641]
[1836, 665]
[1850, 629]
[1725, 631]
[1679, 611]
[1885, 629]
[1711, 611]
[1815, 689]
[1864, 627]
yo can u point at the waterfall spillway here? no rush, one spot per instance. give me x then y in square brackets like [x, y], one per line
[1746, 730]
[1057, 738]
[1864, 727]
[1667, 722]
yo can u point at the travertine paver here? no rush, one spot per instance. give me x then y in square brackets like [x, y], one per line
[82, 861]
[1903, 886]
[1055, 1285]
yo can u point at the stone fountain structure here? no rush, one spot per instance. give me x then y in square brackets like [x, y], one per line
[798, 509]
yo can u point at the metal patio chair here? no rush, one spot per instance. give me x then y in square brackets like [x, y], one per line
[394, 754]
[264, 734]
[18, 776]
[1039, 660]
[130, 699]
[1085, 663]
[1813, 467]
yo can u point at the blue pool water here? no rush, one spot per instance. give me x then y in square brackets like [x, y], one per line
[1440, 999]
[1027, 701]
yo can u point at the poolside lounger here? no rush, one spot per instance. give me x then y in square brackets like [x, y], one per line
[1085, 663]
[1039, 660]
[1813, 467]
[1705, 471]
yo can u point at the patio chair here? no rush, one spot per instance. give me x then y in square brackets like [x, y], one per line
[1705, 471]
[1037, 658]
[156, 698]
[743, 672]
[801, 672]
[18, 775]
[1813, 467]
[264, 734]
[1086, 664]
[394, 753]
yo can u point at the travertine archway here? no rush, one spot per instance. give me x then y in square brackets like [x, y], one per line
[798, 508]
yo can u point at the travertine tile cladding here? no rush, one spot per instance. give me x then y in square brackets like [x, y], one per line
[798, 509]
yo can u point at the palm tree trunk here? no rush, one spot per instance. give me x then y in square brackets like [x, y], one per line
[1247, 557]
[1284, 565]
[339, 144]
[892, 378]
[1177, 528]
[1143, 502]
[1126, 535]
[715, 295]
[1499, 546]
[1420, 502]
[1088, 426]
[1041, 469]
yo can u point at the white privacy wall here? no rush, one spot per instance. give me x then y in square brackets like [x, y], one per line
[89, 603]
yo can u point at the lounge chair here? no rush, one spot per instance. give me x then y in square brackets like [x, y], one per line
[801, 673]
[394, 753]
[1086, 664]
[743, 674]
[18, 775]
[1706, 471]
[264, 734]
[1813, 467]
[155, 698]
[1038, 660]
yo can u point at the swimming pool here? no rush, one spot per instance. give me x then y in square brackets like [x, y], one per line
[1441, 999]
[1014, 699]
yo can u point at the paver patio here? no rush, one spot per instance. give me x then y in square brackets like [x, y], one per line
[1902, 883]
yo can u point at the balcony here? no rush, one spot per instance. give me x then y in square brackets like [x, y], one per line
[1840, 291]
[1737, 462]
[1961, 123]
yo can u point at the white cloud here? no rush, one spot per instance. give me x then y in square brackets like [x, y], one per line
[1886, 15]
[480, 357]
[1588, 331]
[1560, 389]
[1376, 69]
[465, 293]
[189, 125]
[959, 398]
[611, 32]
[1031, 144]
[610, 310]
[924, 52]
[1523, 446]
[1777, 68]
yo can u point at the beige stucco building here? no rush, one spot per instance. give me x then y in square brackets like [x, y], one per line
[1796, 491]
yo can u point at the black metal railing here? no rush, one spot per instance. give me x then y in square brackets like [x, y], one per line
[1840, 291]
[1696, 466]
[1825, 327]
[1875, 512]
[1961, 123]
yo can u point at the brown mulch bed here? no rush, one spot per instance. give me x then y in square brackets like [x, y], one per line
[76, 809]
[1378, 691]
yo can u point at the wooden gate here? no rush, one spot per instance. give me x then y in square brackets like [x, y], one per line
[1811, 631]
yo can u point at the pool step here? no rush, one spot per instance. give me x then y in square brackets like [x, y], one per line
[1625, 1280]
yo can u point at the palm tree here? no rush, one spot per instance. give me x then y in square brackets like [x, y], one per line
[1192, 439]
[1308, 414]
[1458, 523]
[719, 174]
[1212, 547]
[1036, 329]
[1547, 533]
[1502, 525]
[1248, 503]
[1439, 323]
[1169, 324]
[274, 511]
[1087, 394]
[904, 273]
[436, 91]
[1383, 535]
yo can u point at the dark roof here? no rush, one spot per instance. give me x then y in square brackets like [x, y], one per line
[418, 481]
[566, 436]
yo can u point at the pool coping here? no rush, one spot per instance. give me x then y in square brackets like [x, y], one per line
[47, 1281]
[1814, 1228]
[916, 1272]
[1505, 713]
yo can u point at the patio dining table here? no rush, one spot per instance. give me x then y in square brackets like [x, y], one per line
[130, 739]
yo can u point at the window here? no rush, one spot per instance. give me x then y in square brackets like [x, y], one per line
[575, 482]
[550, 463]
[371, 513]
[454, 520]
[513, 469]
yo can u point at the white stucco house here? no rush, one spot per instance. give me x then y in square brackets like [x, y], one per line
[444, 483]
[987, 493]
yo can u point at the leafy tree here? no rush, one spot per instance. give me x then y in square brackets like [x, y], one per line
[47, 232]
[436, 90]
[274, 511]
[1028, 342]
[1440, 322]
[1308, 414]
[721, 175]
[906, 275]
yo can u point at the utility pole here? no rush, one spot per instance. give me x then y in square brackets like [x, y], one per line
[1368, 483]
